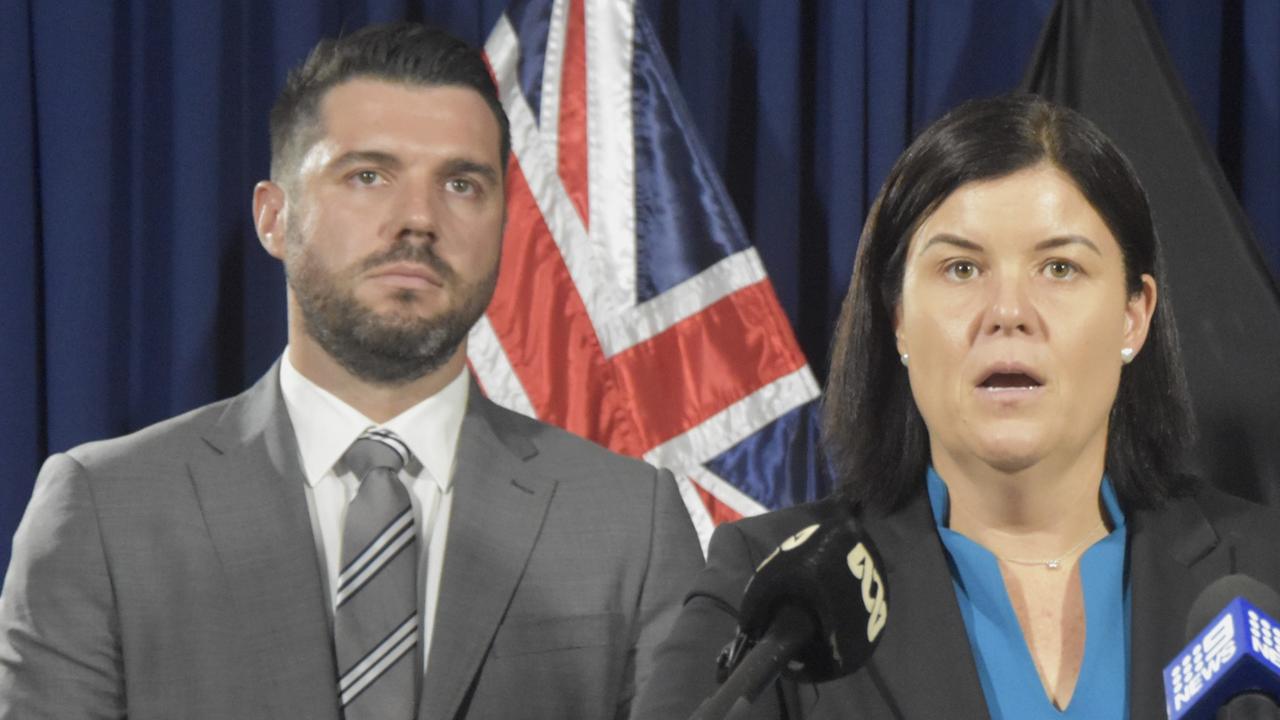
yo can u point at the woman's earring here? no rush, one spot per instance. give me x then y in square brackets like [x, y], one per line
[1126, 355]
[904, 357]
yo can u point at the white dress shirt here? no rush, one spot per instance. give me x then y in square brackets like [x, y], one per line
[326, 426]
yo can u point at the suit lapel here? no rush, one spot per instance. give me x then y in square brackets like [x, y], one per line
[924, 665]
[924, 660]
[497, 513]
[1173, 554]
[251, 492]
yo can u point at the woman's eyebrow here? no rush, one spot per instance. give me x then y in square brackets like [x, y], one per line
[1057, 242]
[954, 240]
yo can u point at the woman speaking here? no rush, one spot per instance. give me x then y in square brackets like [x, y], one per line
[1006, 411]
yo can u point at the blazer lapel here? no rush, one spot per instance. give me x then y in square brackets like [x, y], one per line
[925, 660]
[251, 492]
[1173, 554]
[924, 664]
[497, 513]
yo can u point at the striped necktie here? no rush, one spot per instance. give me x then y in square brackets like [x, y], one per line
[376, 616]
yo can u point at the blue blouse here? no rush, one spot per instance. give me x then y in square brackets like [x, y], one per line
[1008, 674]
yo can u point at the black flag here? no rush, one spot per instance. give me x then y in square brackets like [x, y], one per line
[1105, 59]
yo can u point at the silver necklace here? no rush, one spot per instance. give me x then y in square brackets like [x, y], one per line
[1055, 563]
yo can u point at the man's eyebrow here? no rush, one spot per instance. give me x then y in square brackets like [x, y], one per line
[949, 239]
[462, 166]
[365, 157]
[1057, 242]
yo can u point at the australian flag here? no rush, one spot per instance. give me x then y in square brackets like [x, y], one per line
[631, 309]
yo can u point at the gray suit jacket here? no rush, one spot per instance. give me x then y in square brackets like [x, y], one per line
[173, 573]
[924, 666]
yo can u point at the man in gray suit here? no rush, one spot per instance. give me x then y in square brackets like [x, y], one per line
[205, 567]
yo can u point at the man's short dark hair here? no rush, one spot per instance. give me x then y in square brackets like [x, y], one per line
[407, 53]
[873, 432]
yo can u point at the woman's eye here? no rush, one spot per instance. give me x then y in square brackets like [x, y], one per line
[962, 270]
[1060, 270]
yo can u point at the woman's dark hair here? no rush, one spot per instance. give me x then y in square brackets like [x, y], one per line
[873, 433]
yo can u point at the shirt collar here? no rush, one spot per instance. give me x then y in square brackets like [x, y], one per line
[325, 426]
[940, 500]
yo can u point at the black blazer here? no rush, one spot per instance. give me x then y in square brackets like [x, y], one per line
[924, 667]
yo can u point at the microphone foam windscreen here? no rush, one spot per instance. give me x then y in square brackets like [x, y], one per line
[1218, 593]
[831, 571]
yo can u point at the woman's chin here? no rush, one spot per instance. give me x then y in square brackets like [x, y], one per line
[1012, 463]
[1011, 454]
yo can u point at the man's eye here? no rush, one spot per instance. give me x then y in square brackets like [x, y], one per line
[368, 177]
[1060, 269]
[962, 270]
[461, 186]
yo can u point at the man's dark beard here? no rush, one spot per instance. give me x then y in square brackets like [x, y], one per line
[384, 348]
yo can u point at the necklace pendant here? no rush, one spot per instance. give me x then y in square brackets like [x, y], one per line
[1052, 564]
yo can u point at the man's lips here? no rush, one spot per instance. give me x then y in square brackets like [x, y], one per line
[407, 275]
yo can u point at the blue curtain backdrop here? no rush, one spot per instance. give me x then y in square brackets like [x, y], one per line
[131, 133]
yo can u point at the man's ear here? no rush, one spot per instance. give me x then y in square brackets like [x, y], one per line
[269, 217]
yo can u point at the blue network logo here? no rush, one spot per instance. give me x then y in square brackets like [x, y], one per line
[1238, 653]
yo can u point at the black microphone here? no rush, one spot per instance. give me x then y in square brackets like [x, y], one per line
[814, 610]
[1232, 660]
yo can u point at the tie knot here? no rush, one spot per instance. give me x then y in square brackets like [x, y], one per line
[376, 449]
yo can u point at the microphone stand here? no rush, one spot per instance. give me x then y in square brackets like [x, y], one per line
[791, 630]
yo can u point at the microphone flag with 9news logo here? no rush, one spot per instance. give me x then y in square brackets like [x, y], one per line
[1237, 652]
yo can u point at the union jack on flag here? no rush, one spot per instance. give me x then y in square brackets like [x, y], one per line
[631, 308]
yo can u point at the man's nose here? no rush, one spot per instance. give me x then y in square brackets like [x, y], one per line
[417, 211]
